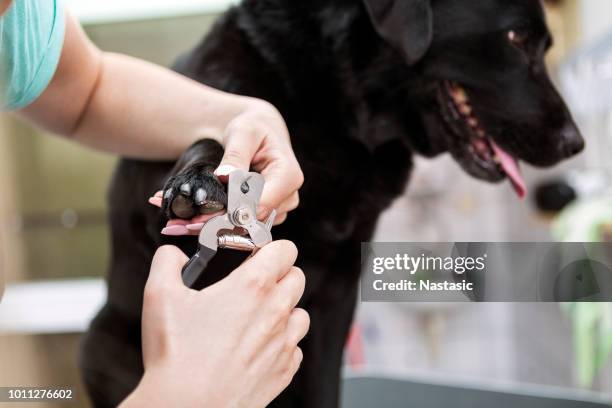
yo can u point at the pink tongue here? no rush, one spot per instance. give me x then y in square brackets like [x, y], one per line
[511, 167]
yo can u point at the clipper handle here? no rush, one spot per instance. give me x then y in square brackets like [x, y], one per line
[194, 268]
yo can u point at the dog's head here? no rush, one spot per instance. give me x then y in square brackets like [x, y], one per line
[484, 92]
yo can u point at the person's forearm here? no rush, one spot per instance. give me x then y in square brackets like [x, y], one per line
[127, 106]
[141, 110]
[160, 389]
[146, 394]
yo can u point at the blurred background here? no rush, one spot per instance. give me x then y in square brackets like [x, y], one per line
[54, 242]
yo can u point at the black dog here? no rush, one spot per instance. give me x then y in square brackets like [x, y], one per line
[362, 85]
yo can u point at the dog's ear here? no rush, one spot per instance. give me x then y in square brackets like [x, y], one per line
[407, 25]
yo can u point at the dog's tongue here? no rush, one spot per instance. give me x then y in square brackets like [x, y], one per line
[511, 167]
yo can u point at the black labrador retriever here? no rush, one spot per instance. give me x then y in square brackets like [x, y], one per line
[362, 84]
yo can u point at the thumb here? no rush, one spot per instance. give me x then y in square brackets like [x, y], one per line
[166, 269]
[241, 144]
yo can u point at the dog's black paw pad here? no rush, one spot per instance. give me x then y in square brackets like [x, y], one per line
[193, 192]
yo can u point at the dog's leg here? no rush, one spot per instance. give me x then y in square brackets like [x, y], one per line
[192, 188]
[111, 358]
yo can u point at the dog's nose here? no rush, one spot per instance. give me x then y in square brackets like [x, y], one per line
[572, 142]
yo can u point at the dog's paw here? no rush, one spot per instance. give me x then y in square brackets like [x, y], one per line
[192, 192]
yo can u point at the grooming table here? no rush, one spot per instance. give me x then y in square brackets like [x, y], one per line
[381, 392]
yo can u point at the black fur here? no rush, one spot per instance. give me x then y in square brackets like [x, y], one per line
[362, 89]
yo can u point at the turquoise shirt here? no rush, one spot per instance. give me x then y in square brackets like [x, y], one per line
[31, 40]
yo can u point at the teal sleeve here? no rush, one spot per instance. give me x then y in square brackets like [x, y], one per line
[31, 41]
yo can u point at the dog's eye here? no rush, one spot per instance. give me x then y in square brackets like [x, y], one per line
[517, 40]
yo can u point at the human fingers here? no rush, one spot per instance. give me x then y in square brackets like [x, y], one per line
[241, 142]
[289, 290]
[298, 356]
[279, 348]
[268, 266]
[193, 226]
[297, 326]
[289, 204]
[166, 267]
[178, 227]
[274, 309]
[286, 206]
[291, 367]
[156, 201]
[283, 178]
[280, 218]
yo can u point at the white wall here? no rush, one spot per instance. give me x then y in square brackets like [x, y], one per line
[96, 12]
[596, 19]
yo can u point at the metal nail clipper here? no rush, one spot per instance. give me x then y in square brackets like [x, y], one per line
[237, 229]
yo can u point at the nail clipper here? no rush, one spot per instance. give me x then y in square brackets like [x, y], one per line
[237, 229]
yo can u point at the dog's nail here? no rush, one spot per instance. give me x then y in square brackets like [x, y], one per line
[200, 196]
[195, 227]
[175, 230]
[186, 189]
[159, 194]
[224, 170]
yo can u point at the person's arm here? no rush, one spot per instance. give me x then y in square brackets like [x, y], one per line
[133, 108]
[128, 106]
[233, 344]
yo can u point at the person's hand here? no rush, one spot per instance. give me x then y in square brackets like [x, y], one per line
[257, 138]
[233, 344]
